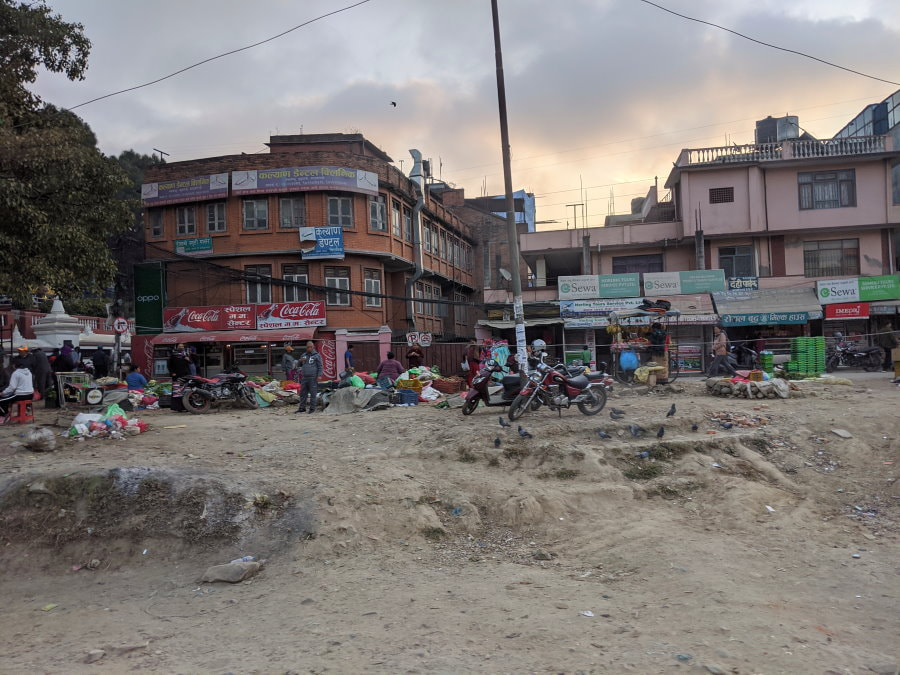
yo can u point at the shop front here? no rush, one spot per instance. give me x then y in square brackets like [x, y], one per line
[860, 307]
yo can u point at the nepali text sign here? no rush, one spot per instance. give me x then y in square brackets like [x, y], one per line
[197, 246]
[677, 283]
[766, 318]
[328, 243]
[220, 317]
[740, 283]
[303, 178]
[213, 186]
[847, 310]
[858, 289]
[290, 315]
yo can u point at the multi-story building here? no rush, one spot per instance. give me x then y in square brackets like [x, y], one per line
[789, 220]
[322, 238]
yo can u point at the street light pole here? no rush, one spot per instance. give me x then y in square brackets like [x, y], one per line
[512, 232]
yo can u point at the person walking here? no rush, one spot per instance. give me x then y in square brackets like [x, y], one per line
[388, 372]
[415, 356]
[101, 363]
[310, 372]
[348, 358]
[887, 340]
[472, 357]
[288, 363]
[20, 388]
[720, 354]
[41, 372]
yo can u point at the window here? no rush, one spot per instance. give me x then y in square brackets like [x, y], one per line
[429, 307]
[293, 212]
[443, 246]
[298, 273]
[395, 219]
[470, 260]
[459, 311]
[737, 261]
[340, 212]
[830, 258]
[259, 287]
[215, 217]
[426, 230]
[827, 189]
[185, 218]
[721, 195]
[419, 293]
[407, 225]
[628, 264]
[377, 214]
[337, 277]
[156, 222]
[895, 182]
[372, 285]
[256, 214]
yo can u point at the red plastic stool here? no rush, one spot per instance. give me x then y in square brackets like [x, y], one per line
[21, 412]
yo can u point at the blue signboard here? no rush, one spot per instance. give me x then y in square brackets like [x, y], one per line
[328, 243]
[741, 283]
[766, 318]
[300, 178]
[213, 186]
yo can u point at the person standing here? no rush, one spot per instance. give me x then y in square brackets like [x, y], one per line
[64, 362]
[388, 371]
[415, 356]
[887, 341]
[288, 363]
[348, 358]
[20, 388]
[179, 368]
[41, 372]
[720, 354]
[310, 371]
[472, 359]
[101, 363]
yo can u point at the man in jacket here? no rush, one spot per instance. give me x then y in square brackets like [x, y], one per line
[310, 372]
[19, 388]
[720, 354]
[415, 356]
[101, 363]
[288, 363]
[472, 357]
[887, 341]
[41, 372]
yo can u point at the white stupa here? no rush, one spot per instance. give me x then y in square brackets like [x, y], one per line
[52, 330]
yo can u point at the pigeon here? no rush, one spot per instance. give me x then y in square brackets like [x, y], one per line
[524, 434]
[643, 455]
[503, 422]
[394, 103]
[614, 416]
[497, 442]
[603, 434]
[694, 427]
[617, 411]
[636, 431]
[727, 425]
[661, 432]
[671, 412]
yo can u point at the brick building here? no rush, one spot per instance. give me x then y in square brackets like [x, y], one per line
[323, 219]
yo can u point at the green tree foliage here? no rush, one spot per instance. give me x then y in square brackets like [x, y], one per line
[59, 195]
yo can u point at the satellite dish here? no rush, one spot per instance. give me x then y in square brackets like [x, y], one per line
[505, 274]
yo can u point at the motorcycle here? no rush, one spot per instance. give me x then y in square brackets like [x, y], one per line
[511, 383]
[743, 357]
[848, 355]
[557, 388]
[199, 394]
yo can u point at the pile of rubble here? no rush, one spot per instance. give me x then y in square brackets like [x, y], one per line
[775, 388]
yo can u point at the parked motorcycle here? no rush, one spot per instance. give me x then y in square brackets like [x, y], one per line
[743, 357]
[848, 355]
[511, 383]
[200, 394]
[557, 388]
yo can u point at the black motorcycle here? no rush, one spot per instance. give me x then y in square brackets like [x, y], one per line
[844, 355]
[200, 394]
[742, 357]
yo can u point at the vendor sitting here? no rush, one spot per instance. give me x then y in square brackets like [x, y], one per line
[658, 337]
[20, 387]
[388, 371]
[135, 379]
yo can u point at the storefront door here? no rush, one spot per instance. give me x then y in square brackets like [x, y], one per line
[253, 359]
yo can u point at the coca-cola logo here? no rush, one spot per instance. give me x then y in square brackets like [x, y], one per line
[297, 311]
[210, 315]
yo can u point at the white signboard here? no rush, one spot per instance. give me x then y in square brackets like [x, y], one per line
[665, 283]
[577, 287]
[838, 290]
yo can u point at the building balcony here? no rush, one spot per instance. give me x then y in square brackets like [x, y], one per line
[785, 150]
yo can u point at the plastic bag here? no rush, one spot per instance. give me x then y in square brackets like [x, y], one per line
[629, 361]
[86, 418]
[113, 411]
[464, 366]
[356, 381]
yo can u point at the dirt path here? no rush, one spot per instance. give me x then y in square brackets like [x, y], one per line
[404, 541]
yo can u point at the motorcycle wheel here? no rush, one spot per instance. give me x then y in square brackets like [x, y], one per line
[832, 364]
[247, 398]
[520, 404]
[470, 405]
[195, 403]
[873, 362]
[599, 403]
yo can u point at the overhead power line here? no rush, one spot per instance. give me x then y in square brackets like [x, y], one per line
[769, 44]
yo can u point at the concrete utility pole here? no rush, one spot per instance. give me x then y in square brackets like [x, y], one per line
[512, 232]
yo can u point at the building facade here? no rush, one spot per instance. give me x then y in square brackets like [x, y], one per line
[322, 238]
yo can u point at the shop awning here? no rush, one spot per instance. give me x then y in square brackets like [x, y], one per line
[529, 323]
[773, 306]
[236, 336]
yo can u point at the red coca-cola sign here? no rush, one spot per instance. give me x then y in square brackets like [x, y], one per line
[290, 315]
[196, 319]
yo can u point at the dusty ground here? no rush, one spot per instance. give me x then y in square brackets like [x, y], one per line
[403, 541]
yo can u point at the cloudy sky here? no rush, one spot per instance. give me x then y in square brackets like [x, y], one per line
[602, 93]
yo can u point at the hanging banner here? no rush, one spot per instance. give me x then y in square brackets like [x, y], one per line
[328, 242]
[290, 315]
[195, 319]
[149, 298]
[303, 178]
[213, 186]
[677, 283]
[859, 289]
[847, 310]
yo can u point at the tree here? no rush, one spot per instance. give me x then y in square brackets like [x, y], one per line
[59, 195]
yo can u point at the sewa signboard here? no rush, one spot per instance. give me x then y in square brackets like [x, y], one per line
[858, 289]
[591, 286]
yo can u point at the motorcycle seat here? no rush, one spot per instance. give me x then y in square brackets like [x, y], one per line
[511, 380]
[579, 382]
[869, 350]
[595, 375]
[205, 379]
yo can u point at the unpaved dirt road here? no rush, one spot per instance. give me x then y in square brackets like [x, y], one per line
[403, 541]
